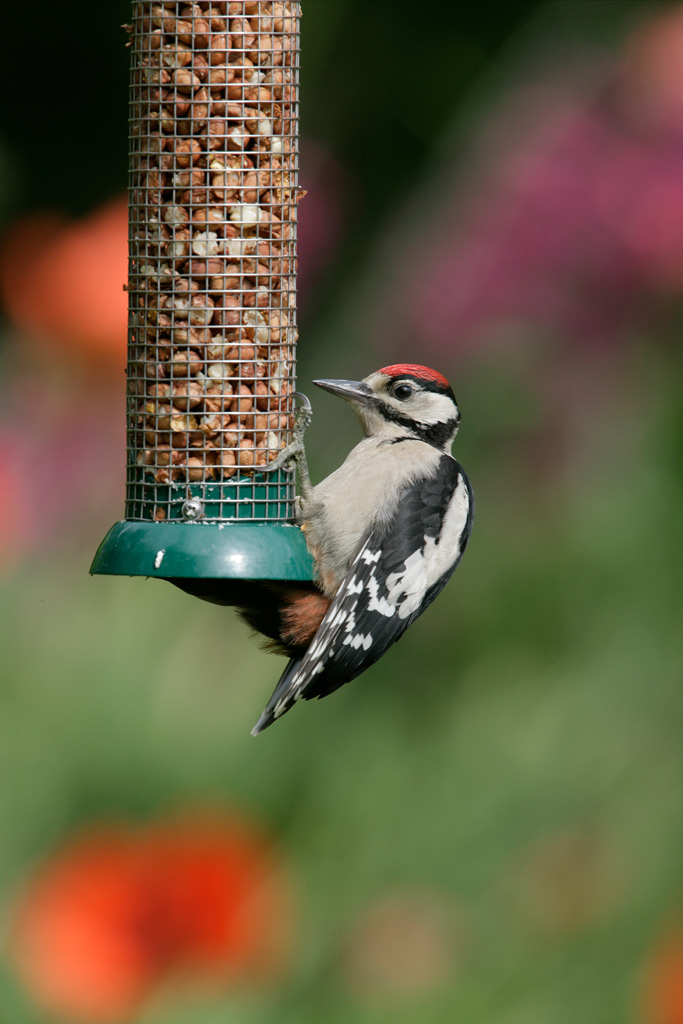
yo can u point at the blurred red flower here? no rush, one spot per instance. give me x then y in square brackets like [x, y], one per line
[63, 283]
[664, 987]
[120, 913]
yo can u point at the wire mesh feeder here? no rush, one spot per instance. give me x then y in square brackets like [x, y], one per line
[213, 189]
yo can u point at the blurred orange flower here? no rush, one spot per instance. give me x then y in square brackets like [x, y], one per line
[63, 283]
[664, 987]
[119, 913]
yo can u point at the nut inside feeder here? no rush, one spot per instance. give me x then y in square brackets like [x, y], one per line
[212, 294]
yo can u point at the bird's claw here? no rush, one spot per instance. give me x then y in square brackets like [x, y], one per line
[294, 451]
[303, 415]
[285, 457]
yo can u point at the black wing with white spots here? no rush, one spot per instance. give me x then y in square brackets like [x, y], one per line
[398, 571]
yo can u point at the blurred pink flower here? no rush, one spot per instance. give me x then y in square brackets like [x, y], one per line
[575, 223]
[18, 518]
[62, 459]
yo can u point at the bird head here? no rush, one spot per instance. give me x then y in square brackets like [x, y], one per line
[404, 400]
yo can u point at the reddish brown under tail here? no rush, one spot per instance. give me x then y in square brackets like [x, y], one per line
[301, 614]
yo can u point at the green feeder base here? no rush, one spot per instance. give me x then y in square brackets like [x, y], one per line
[204, 551]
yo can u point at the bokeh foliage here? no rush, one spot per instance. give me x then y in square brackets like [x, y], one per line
[519, 753]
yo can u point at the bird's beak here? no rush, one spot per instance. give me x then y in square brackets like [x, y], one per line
[351, 390]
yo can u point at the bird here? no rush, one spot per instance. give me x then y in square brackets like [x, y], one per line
[386, 531]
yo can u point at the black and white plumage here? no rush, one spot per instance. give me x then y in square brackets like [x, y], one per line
[387, 529]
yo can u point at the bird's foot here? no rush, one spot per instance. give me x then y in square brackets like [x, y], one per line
[295, 450]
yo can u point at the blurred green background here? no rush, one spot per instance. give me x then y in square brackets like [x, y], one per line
[487, 826]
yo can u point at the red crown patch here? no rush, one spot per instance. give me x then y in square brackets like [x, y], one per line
[414, 370]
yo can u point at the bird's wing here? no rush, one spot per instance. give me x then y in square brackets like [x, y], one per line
[400, 568]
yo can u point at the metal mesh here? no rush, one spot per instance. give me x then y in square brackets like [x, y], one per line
[212, 317]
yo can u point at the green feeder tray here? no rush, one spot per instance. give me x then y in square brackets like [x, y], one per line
[196, 544]
[238, 551]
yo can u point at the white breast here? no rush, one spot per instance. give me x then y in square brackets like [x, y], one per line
[362, 492]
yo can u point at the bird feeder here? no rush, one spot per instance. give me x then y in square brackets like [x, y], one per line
[213, 190]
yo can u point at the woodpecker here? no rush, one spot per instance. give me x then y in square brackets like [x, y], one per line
[386, 531]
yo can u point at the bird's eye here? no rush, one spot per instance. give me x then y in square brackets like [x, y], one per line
[402, 391]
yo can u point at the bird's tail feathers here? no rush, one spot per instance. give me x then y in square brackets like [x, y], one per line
[282, 699]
